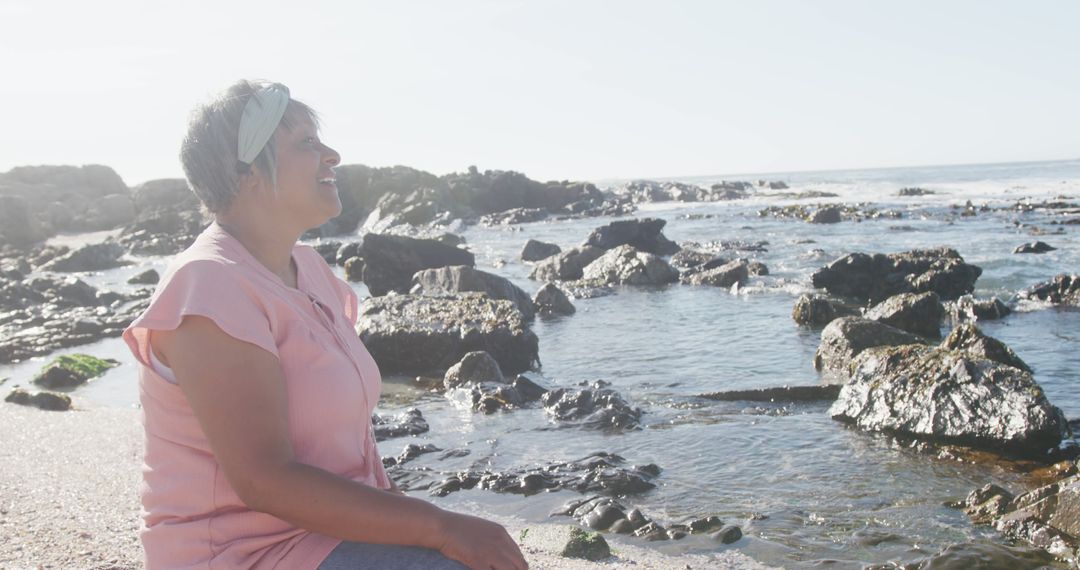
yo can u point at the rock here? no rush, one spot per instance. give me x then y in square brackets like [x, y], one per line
[1034, 247]
[968, 339]
[693, 259]
[967, 308]
[550, 300]
[421, 334]
[348, 251]
[57, 322]
[778, 185]
[877, 277]
[586, 545]
[982, 556]
[727, 535]
[463, 279]
[949, 397]
[327, 249]
[18, 226]
[919, 313]
[844, 338]
[148, 277]
[596, 407]
[66, 291]
[1047, 517]
[826, 215]
[756, 268]
[391, 261]
[411, 451]
[985, 504]
[643, 235]
[566, 266]
[598, 473]
[735, 272]
[514, 216]
[50, 401]
[409, 422]
[914, 191]
[818, 310]
[354, 269]
[64, 199]
[536, 250]
[1061, 290]
[494, 396]
[476, 366]
[162, 231]
[625, 265]
[93, 257]
[780, 394]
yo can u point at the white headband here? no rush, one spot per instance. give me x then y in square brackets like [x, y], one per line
[262, 113]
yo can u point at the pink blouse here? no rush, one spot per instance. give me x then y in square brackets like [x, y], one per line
[193, 517]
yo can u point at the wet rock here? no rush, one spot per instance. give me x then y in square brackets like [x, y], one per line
[918, 313]
[598, 473]
[409, 422]
[986, 503]
[914, 191]
[968, 339]
[779, 394]
[844, 338]
[586, 545]
[819, 310]
[694, 259]
[514, 216]
[535, 250]
[411, 451]
[391, 261]
[596, 407]
[826, 215]
[50, 401]
[1034, 247]
[625, 265]
[642, 234]
[476, 366]
[947, 396]
[43, 328]
[327, 249]
[550, 300]
[148, 277]
[877, 277]
[757, 268]
[348, 251]
[93, 257]
[979, 556]
[463, 279]
[1061, 290]
[354, 269]
[1047, 517]
[727, 535]
[420, 334]
[566, 266]
[72, 370]
[967, 308]
[732, 273]
[163, 231]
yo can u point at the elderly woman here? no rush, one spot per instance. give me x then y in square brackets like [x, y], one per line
[257, 394]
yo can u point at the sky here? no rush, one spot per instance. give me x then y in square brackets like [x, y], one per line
[580, 89]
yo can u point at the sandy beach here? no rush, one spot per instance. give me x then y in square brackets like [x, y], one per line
[69, 499]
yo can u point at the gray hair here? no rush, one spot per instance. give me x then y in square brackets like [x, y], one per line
[209, 152]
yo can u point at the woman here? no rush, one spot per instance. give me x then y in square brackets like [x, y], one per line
[256, 392]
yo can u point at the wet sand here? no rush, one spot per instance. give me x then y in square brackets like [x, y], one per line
[69, 484]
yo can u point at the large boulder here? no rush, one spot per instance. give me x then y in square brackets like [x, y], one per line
[566, 266]
[877, 277]
[92, 257]
[919, 313]
[550, 300]
[596, 407]
[477, 366]
[1061, 290]
[18, 227]
[625, 265]
[645, 235]
[731, 273]
[844, 338]
[949, 397]
[819, 310]
[390, 261]
[163, 194]
[463, 279]
[1047, 517]
[536, 250]
[70, 198]
[422, 334]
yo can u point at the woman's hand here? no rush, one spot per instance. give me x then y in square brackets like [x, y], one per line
[477, 543]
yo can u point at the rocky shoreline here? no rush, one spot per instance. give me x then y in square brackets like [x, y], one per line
[885, 365]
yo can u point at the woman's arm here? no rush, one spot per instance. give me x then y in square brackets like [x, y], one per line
[237, 391]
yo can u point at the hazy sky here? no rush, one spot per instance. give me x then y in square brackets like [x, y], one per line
[556, 89]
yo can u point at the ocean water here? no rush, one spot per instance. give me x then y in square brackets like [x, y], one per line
[806, 490]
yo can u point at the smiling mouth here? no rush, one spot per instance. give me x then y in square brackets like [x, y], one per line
[328, 180]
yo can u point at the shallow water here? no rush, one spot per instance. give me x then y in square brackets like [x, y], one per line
[806, 490]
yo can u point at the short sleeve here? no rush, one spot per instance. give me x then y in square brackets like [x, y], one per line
[210, 289]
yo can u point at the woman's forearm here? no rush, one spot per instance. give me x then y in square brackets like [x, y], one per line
[317, 500]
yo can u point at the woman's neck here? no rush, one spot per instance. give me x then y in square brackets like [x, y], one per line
[269, 246]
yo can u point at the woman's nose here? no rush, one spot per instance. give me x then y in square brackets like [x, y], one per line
[331, 156]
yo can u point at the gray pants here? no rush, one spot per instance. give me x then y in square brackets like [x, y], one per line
[360, 555]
